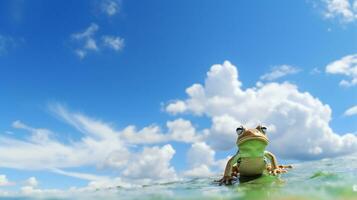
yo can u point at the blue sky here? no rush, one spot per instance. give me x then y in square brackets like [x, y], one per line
[76, 70]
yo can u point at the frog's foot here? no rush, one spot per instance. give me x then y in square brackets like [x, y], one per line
[235, 171]
[279, 170]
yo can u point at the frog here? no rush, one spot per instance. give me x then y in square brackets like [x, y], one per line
[252, 159]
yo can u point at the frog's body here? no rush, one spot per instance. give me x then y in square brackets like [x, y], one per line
[251, 158]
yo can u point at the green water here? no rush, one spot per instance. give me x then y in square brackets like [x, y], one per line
[324, 179]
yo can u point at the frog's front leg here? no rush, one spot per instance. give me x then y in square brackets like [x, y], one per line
[274, 168]
[230, 171]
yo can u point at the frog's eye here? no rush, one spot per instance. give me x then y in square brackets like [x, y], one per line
[239, 130]
[264, 129]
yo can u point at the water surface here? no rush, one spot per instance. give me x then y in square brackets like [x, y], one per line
[323, 179]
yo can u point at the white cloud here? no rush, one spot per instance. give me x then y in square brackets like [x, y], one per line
[84, 176]
[37, 135]
[151, 164]
[88, 33]
[32, 182]
[30, 188]
[91, 44]
[4, 181]
[345, 10]
[31, 191]
[351, 111]
[199, 171]
[110, 7]
[346, 66]
[96, 181]
[291, 115]
[148, 135]
[176, 107]
[183, 131]
[86, 40]
[98, 142]
[178, 130]
[201, 160]
[100, 145]
[315, 70]
[200, 153]
[279, 71]
[200, 157]
[114, 42]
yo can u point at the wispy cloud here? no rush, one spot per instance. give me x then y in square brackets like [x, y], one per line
[344, 10]
[110, 7]
[351, 111]
[84, 176]
[88, 42]
[315, 70]
[100, 145]
[113, 42]
[6, 43]
[346, 66]
[279, 71]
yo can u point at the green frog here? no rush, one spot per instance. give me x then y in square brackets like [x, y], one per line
[251, 159]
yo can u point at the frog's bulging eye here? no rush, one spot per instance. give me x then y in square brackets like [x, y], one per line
[239, 130]
[264, 129]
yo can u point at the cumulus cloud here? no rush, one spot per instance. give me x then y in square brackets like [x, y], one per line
[199, 171]
[151, 164]
[290, 114]
[200, 153]
[200, 157]
[201, 161]
[279, 71]
[345, 10]
[32, 181]
[351, 111]
[346, 66]
[176, 107]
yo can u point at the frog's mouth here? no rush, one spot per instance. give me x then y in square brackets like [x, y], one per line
[251, 135]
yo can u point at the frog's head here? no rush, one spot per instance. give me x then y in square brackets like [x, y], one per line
[258, 133]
